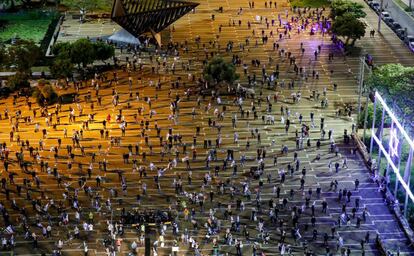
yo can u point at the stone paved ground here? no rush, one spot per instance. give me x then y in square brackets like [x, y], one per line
[385, 48]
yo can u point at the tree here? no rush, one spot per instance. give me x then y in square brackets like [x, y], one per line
[26, 3]
[217, 71]
[62, 48]
[378, 117]
[61, 67]
[103, 51]
[341, 7]
[23, 55]
[350, 27]
[396, 83]
[3, 56]
[82, 52]
[9, 4]
[3, 24]
[18, 81]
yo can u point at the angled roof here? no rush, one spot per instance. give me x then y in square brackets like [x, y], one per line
[141, 16]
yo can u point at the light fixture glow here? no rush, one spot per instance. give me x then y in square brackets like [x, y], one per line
[394, 119]
[394, 142]
[393, 167]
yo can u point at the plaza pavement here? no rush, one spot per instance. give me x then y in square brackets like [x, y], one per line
[385, 48]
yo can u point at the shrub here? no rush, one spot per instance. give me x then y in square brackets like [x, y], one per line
[45, 95]
[218, 70]
[378, 117]
[18, 81]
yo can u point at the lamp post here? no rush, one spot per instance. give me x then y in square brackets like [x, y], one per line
[380, 16]
[361, 90]
[361, 83]
[147, 240]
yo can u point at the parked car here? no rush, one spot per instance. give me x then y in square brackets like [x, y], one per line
[400, 33]
[410, 42]
[409, 39]
[389, 21]
[374, 5]
[385, 15]
[395, 25]
[411, 46]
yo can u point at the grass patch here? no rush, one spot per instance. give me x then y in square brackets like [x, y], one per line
[100, 6]
[40, 69]
[310, 3]
[403, 5]
[28, 25]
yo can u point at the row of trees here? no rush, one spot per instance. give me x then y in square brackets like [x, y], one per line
[12, 4]
[81, 53]
[347, 23]
[21, 56]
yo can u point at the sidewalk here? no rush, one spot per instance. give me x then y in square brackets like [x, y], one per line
[385, 47]
[407, 2]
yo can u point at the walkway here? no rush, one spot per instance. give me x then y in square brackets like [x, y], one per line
[385, 48]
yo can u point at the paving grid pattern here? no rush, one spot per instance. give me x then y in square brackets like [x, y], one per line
[384, 48]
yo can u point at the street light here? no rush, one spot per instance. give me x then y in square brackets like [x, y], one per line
[361, 82]
[361, 89]
[380, 16]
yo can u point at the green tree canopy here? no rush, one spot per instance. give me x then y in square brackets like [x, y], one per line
[83, 52]
[217, 70]
[103, 51]
[378, 117]
[18, 81]
[61, 68]
[23, 55]
[341, 7]
[349, 26]
[62, 48]
[3, 56]
[396, 83]
[9, 4]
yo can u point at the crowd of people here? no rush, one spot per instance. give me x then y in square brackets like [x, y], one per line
[224, 167]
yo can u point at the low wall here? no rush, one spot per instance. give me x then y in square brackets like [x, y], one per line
[362, 149]
[54, 37]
